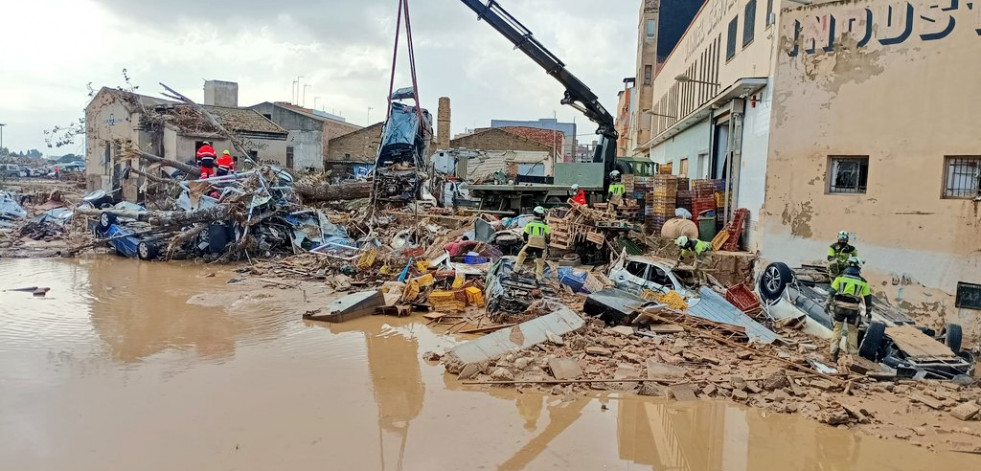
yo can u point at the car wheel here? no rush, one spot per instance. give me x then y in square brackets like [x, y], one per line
[873, 340]
[147, 250]
[776, 276]
[954, 337]
[106, 220]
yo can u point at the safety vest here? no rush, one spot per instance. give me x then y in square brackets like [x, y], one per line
[851, 285]
[700, 248]
[537, 229]
[617, 189]
[840, 253]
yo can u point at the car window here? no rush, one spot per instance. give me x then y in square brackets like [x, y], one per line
[637, 268]
[658, 276]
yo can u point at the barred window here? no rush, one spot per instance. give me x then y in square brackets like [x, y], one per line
[962, 177]
[848, 174]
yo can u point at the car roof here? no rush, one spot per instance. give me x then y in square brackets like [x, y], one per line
[661, 262]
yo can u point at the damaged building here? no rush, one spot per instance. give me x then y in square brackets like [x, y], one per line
[310, 132]
[117, 120]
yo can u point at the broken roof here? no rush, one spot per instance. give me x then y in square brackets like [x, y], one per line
[243, 120]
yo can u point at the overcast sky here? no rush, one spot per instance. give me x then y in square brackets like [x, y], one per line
[342, 48]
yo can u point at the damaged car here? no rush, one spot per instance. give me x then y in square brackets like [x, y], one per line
[891, 337]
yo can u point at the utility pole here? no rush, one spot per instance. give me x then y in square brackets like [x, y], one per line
[315, 102]
[305, 94]
[296, 91]
[1, 135]
[369, 116]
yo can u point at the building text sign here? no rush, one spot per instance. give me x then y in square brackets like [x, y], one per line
[968, 296]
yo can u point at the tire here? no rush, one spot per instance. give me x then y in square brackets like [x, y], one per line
[873, 340]
[954, 337]
[776, 276]
[622, 167]
[926, 330]
[147, 250]
[106, 220]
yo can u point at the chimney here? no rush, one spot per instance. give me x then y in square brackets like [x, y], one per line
[221, 93]
[443, 124]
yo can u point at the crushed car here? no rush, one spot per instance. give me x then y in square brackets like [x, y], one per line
[891, 337]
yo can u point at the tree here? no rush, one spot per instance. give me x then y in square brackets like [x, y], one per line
[59, 136]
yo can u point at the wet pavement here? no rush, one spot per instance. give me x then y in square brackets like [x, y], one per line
[152, 366]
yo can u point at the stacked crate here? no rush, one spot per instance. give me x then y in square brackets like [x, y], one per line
[661, 201]
[720, 203]
[683, 199]
[642, 188]
[702, 197]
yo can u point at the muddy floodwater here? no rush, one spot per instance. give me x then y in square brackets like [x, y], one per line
[150, 366]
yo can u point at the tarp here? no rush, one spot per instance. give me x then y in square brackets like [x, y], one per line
[10, 208]
[714, 307]
[520, 337]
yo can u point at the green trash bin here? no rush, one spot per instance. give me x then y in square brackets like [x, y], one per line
[706, 225]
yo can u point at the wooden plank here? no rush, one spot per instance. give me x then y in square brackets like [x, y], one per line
[929, 402]
[484, 330]
[915, 344]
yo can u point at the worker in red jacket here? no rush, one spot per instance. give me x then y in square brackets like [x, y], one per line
[206, 160]
[226, 164]
[580, 194]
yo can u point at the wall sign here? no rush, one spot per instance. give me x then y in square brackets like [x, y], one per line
[968, 296]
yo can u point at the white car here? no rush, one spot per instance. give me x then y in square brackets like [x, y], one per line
[636, 273]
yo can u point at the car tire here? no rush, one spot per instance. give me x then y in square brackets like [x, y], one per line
[774, 280]
[106, 220]
[954, 337]
[147, 250]
[873, 340]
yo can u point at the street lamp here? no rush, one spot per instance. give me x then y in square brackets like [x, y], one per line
[1, 134]
[684, 78]
[369, 116]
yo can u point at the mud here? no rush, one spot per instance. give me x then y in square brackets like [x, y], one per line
[130, 365]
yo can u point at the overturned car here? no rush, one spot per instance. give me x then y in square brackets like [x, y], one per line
[891, 337]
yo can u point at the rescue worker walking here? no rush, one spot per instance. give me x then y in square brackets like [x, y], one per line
[579, 195]
[616, 190]
[692, 248]
[226, 164]
[839, 253]
[206, 160]
[848, 291]
[537, 236]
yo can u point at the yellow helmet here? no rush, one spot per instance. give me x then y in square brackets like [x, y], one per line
[225, 152]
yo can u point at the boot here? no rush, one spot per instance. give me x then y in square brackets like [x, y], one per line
[834, 357]
[539, 269]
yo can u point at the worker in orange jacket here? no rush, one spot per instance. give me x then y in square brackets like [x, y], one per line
[226, 164]
[206, 160]
[580, 194]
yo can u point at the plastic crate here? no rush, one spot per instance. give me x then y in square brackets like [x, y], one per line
[474, 259]
[475, 296]
[743, 298]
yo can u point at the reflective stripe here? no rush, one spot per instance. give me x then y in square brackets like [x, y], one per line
[617, 189]
[536, 228]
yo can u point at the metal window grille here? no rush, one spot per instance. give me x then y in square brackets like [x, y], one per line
[848, 175]
[749, 23]
[963, 177]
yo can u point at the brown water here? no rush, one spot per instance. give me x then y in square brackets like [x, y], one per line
[148, 366]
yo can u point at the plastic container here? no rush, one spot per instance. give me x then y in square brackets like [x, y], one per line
[743, 298]
[475, 296]
[706, 225]
[474, 259]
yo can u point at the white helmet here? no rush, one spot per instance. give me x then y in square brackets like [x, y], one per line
[614, 174]
[575, 187]
[855, 262]
[843, 235]
[539, 211]
[681, 241]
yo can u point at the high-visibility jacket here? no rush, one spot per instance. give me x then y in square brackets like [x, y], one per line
[848, 290]
[617, 189]
[537, 234]
[840, 252]
[226, 162]
[580, 197]
[205, 151]
[700, 248]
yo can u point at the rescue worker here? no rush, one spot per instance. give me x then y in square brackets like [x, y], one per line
[225, 163]
[206, 160]
[839, 253]
[848, 291]
[537, 236]
[692, 247]
[616, 190]
[579, 195]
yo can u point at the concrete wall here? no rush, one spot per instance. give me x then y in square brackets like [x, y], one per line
[901, 89]
[107, 120]
[307, 149]
[751, 184]
[221, 93]
[497, 139]
[689, 144]
[358, 146]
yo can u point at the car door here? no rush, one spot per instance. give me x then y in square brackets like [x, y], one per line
[630, 276]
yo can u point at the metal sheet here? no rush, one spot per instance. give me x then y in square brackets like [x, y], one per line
[714, 307]
[587, 175]
[520, 337]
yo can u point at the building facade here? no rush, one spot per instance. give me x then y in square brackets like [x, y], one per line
[709, 111]
[354, 153]
[625, 109]
[310, 131]
[550, 124]
[874, 132]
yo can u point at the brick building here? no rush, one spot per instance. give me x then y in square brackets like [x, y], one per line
[499, 139]
[353, 151]
[310, 131]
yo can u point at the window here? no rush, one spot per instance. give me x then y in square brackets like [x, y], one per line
[848, 174]
[648, 72]
[770, 17]
[749, 23]
[254, 154]
[962, 177]
[658, 277]
[684, 168]
[347, 156]
[267, 116]
[289, 156]
[650, 29]
[731, 40]
[637, 269]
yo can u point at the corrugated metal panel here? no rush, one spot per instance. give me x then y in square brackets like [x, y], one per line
[714, 307]
[520, 337]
